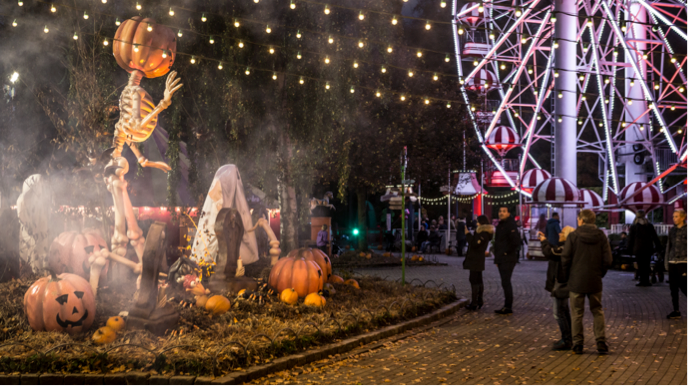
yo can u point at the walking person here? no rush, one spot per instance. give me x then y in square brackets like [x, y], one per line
[506, 244]
[643, 242]
[675, 260]
[475, 259]
[461, 232]
[553, 229]
[557, 286]
[585, 260]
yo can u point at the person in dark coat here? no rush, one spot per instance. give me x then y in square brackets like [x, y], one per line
[553, 229]
[461, 231]
[675, 260]
[506, 245]
[643, 242]
[585, 260]
[557, 286]
[421, 238]
[475, 259]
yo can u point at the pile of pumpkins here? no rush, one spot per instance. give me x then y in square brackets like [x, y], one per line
[417, 258]
[365, 255]
[305, 273]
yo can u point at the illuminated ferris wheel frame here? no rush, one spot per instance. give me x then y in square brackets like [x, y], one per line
[563, 51]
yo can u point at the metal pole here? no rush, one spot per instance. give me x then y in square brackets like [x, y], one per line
[482, 190]
[420, 207]
[403, 214]
[448, 206]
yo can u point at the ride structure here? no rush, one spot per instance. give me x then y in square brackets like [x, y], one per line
[593, 76]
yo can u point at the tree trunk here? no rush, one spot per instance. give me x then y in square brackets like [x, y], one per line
[362, 223]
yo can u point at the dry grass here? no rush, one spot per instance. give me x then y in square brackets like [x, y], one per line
[192, 348]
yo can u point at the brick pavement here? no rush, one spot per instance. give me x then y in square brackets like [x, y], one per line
[482, 347]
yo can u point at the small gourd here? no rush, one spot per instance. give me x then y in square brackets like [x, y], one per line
[289, 296]
[116, 323]
[104, 335]
[335, 279]
[314, 300]
[353, 283]
[217, 305]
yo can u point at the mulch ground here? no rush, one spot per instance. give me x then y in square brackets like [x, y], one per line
[202, 344]
[372, 259]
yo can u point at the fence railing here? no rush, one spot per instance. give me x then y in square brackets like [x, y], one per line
[662, 229]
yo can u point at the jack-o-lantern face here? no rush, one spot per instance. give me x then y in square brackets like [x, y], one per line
[71, 252]
[60, 303]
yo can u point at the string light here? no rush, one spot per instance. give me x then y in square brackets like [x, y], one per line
[138, 6]
[481, 8]
[46, 30]
[301, 81]
[53, 9]
[236, 23]
[403, 98]
[378, 94]
[475, 63]
[117, 22]
[492, 35]
[219, 66]
[435, 77]
[518, 12]
[248, 71]
[327, 60]
[149, 28]
[271, 50]
[164, 53]
[171, 12]
[419, 54]
[241, 44]
[447, 59]
[443, 4]
[268, 29]
[14, 23]
[460, 29]
[427, 25]
[330, 40]
[179, 33]
[394, 20]
[203, 18]
[193, 60]
[383, 69]
[503, 66]
[298, 55]
[361, 16]
[352, 90]
[410, 73]
[327, 10]
[274, 76]
[105, 43]
[448, 105]
[211, 40]
[427, 101]
[20, 3]
[76, 37]
[355, 64]
[389, 49]
[298, 34]
[292, 5]
[136, 46]
[524, 38]
[327, 85]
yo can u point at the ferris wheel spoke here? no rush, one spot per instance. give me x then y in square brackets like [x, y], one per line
[663, 19]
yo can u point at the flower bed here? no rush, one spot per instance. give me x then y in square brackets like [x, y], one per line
[249, 334]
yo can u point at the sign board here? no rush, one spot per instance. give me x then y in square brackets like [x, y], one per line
[395, 203]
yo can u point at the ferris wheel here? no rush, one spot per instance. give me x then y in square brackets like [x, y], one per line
[595, 76]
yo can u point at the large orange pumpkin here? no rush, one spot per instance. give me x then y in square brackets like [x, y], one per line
[315, 255]
[60, 303]
[302, 275]
[136, 48]
[70, 251]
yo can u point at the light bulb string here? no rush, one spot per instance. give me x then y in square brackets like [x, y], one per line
[370, 41]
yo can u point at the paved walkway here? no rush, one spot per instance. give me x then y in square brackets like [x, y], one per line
[484, 348]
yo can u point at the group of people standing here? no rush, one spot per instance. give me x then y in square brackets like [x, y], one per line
[578, 260]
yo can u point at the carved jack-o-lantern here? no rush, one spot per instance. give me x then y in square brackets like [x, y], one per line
[60, 303]
[70, 252]
[151, 52]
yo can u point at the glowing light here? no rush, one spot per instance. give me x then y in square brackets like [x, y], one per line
[524, 38]
[492, 35]
[268, 29]
[20, 3]
[136, 46]
[271, 50]
[14, 77]
[179, 33]
[117, 22]
[556, 44]
[301, 81]
[236, 23]
[435, 77]
[274, 76]
[419, 54]
[556, 74]
[673, 59]
[292, 5]
[389, 49]
[530, 70]
[410, 73]
[427, 25]
[681, 89]
[383, 69]
[241, 44]
[46, 30]
[460, 29]
[475, 63]
[355, 64]
[447, 59]
[138, 6]
[518, 12]
[443, 4]
[394, 20]
[327, 10]
[378, 94]
[448, 105]
[298, 55]
[149, 28]
[403, 98]
[203, 18]
[53, 9]
[352, 90]
[193, 60]
[164, 53]
[361, 16]
[14, 23]
[330, 40]
[553, 19]
[298, 34]
[219, 66]
[427, 101]
[581, 77]
[76, 37]
[211, 40]
[248, 71]
[327, 60]
[560, 95]
[503, 66]
[105, 43]
[360, 44]
[171, 12]
[327, 86]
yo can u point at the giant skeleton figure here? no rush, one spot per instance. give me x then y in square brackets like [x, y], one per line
[143, 48]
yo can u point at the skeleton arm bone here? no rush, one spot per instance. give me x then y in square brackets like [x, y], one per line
[145, 162]
[274, 243]
[171, 85]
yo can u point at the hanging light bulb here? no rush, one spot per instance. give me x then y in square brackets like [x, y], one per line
[606, 101]
[104, 1]
[403, 98]
[448, 105]
[327, 10]
[14, 23]
[589, 23]
[301, 81]
[46, 30]
[556, 74]
[524, 38]
[538, 117]
[461, 81]
[475, 63]
[435, 77]
[149, 28]
[171, 12]
[581, 77]
[298, 34]
[584, 97]
[211, 40]
[327, 60]
[271, 50]
[560, 95]
[632, 82]
[256, 1]
[136, 46]
[361, 16]
[443, 4]
[179, 33]
[623, 124]
[138, 6]
[105, 43]
[355, 64]
[580, 121]
[606, 81]
[645, 55]
[360, 44]
[268, 29]
[378, 94]
[76, 37]
[556, 43]
[630, 102]
[389, 49]
[530, 70]
[553, 19]
[410, 73]
[427, 101]
[656, 86]
[623, 25]
[560, 119]
[292, 5]
[492, 35]
[352, 90]
[236, 23]
[503, 66]
[518, 12]
[164, 54]
[427, 25]
[672, 60]
[330, 40]
[327, 85]
[20, 3]
[394, 20]
[419, 54]
[680, 131]
[642, 127]
[53, 9]
[219, 66]
[585, 47]
[203, 18]
[460, 29]
[681, 89]
[248, 71]
[472, 108]
[298, 55]
[447, 59]
[383, 69]
[274, 76]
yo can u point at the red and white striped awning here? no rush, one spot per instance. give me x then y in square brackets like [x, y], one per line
[556, 191]
[483, 80]
[533, 178]
[592, 199]
[502, 139]
[473, 17]
[646, 200]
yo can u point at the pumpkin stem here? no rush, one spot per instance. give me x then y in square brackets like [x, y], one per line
[53, 276]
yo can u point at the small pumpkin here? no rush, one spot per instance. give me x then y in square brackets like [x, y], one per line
[70, 253]
[104, 335]
[316, 255]
[315, 300]
[353, 283]
[330, 288]
[387, 254]
[116, 323]
[420, 258]
[304, 276]
[60, 303]
[137, 48]
[379, 247]
[336, 279]
[413, 249]
[368, 256]
[217, 305]
[362, 254]
[289, 296]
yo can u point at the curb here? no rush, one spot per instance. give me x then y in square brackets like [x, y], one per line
[236, 377]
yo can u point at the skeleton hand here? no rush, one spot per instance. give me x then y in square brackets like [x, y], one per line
[144, 162]
[170, 87]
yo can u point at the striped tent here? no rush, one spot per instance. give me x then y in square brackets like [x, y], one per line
[471, 18]
[646, 200]
[483, 81]
[592, 199]
[556, 191]
[502, 139]
[533, 178]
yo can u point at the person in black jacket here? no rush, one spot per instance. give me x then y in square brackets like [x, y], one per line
[556, 285]
[475, 259]
[643, 242]
[421, 238]
[585, 260]
[506, 244]
[461, 231]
